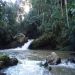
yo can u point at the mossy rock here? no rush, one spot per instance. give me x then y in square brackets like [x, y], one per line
[6, 61]
[4, 58]
[46, 41]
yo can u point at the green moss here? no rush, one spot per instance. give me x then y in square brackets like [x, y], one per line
[4, 58]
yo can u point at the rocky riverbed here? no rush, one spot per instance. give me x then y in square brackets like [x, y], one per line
[29, 63]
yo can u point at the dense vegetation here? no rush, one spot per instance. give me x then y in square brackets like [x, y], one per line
[50, 22]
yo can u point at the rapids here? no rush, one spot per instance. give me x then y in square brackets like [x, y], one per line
[29, 62]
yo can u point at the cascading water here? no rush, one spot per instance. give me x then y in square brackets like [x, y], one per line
[27, 66]
[24, 47]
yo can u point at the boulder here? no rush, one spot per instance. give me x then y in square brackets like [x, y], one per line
[53, 59]
[5, 61]
[13, 61]
[18, 41]
[46, 41]
[21, 38]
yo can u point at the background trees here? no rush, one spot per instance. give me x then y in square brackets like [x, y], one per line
[56, 18]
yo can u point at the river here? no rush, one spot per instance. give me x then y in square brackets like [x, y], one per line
[29, 62]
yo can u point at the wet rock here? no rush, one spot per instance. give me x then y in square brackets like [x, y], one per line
[5, 61]
[49, 68]
[2, 64]
[18, 41]
[45, 64]
[2, 73]
[72, 60]
[13, 61]
[58, 61]
[53, 59]
[46, 41]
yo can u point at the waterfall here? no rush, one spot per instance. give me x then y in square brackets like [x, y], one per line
[24, 47]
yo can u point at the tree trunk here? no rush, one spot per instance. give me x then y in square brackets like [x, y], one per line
[67, 19]
[62, 9]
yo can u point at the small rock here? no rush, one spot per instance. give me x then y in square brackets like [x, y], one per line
[45, 64]
[58, 61]
[1, 64]
[49, 68]
[72, 60]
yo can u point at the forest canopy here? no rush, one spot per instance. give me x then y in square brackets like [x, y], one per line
[52, 18]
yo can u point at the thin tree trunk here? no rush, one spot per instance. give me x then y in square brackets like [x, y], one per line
[62, 9]
[67, 13]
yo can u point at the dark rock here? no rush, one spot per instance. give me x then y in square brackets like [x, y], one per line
[2, 64]
[13, 61]
[46, 41]
[58, 61]
[18, 41]
[5, 61]
[2, 73]
[45, 64]
[49, 68]
[72, 60]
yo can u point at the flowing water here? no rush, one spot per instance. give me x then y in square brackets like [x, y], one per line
[29, 62]
[24, 47]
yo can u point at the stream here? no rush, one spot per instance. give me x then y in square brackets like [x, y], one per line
[29, 62]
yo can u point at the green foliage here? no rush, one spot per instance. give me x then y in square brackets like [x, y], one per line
[46, 41]
[50, 22]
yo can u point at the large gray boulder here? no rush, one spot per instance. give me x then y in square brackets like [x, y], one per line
[18, 40]
[53, 59]
[20, 37]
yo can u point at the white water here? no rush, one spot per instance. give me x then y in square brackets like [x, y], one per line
[32, 67]
[65, 65]
[28, 67]
[25, 46]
